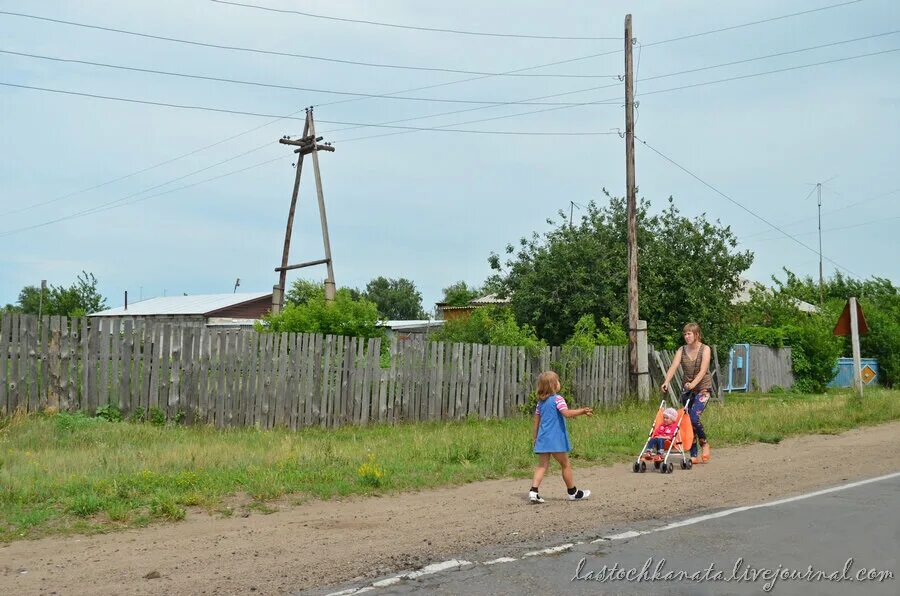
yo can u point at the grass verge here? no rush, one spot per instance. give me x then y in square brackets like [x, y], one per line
[66, 473]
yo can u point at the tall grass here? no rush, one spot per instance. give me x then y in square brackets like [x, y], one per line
[71, 473]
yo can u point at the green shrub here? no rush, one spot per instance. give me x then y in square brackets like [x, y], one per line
[157, 417]
[110, 413]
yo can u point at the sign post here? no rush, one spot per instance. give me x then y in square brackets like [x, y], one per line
[852, 322]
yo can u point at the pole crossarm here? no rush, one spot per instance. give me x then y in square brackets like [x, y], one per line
[302, 265]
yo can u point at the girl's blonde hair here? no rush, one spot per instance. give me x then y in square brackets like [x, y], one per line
[693, 328]
[547, 384]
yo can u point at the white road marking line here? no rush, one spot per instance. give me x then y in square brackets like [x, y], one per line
[456, 564]
[500, 560]
[549, 551]
[437, 568]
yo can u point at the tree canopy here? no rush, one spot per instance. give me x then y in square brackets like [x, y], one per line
[78, 299]
[689, 270]
[396, 299]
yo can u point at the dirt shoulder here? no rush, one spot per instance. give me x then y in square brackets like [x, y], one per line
[330, 542]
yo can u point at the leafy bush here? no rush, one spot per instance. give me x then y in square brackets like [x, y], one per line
[110, 413]
[489, 325]
[883, 341]
[345, 316]
[157, 417]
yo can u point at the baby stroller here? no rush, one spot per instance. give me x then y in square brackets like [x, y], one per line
[680, 444]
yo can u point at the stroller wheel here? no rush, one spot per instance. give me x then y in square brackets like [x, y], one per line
[663, 469]
[684, 465]
[636, 467]
[688, 465]
[656, 464]
[643, 466]
[671, 467]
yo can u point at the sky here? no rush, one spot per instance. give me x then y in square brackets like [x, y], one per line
[432, 205]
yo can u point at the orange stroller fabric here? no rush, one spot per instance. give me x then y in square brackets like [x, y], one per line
[685, 429]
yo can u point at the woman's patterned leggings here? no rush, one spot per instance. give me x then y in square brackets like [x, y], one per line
[695, 408]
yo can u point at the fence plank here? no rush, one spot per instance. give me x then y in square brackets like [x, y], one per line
[242, 380]
[126, 355]
[104, 328]
[52, 362]
[202, 415]
[33, 335]
[41, 363]
[5, 342]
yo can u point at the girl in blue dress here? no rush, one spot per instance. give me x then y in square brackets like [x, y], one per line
[551, 436]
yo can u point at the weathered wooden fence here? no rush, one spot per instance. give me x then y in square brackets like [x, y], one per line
[245, 378]
[769, 368]
[661, 360]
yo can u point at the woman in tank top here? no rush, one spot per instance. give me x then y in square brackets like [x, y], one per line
[693, 358]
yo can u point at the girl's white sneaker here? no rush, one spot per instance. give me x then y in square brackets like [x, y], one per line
[534, 497]
[580, 495]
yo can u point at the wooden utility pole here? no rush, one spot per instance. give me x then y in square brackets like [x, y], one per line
[821, 277]
[854, 343]
[305, 145]
[638, 382]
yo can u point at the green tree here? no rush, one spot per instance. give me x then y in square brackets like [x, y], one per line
[79, 299]
[302, 290]
[344, 316]
[689, 271]
[460, 294]
[396, 299]
[488, 325]
[879, 299]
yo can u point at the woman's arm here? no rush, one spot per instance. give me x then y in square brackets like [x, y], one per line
[704, 368]
[676, 362]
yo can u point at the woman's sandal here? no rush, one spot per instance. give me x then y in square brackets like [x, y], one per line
[704, 452]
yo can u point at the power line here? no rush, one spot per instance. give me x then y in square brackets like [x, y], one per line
[805, 219]
[262, 115]
[415, 27]
[768, 72]
[294, 55]
[147, 169]
[851, 226]
[739, 204]
[119, 203]
[767, 56]
[752, 23]
[261, 84]
[619, 99]
[535, 67]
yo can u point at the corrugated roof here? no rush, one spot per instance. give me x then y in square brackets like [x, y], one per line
[181, 305]
[490, 299]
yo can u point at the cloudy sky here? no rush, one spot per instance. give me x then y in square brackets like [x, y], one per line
[431, 205]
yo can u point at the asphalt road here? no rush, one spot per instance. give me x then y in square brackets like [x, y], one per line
[827, 540]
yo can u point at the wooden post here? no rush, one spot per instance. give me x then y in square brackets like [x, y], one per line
[854, 341]
[329, 281]
[278, 295]
[631, 209]
[643, 362]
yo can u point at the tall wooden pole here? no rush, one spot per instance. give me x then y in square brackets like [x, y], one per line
[278, 294]
[854, 342]
[631, 207]
[330, 289]
[821, 277]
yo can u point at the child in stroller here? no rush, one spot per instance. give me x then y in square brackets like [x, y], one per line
[671, 431]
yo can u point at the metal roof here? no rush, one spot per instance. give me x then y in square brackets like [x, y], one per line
[490, 299]
[181, 305]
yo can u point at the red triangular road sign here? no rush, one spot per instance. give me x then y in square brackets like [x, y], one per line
[843, 324]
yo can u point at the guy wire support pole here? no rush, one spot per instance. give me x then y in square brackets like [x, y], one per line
[308, 143]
